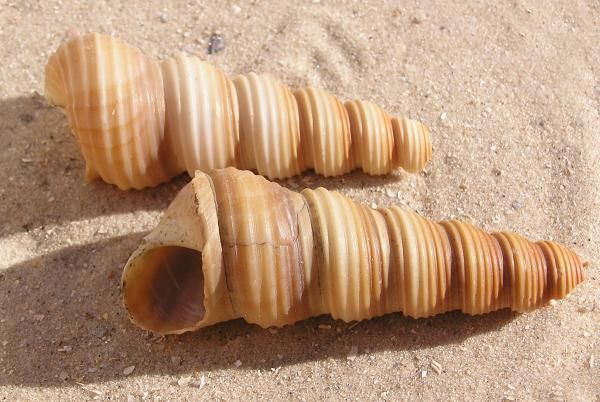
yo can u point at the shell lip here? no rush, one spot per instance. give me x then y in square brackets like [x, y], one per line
[163, 288]
[176, 274]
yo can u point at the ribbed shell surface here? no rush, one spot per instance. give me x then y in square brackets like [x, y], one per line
[269, 121]
[412, 144]
[372, 262]
[113, 98]
[279, 257]
[139, 123]
[325, 131]
[351, 255]
[267, 249]
[372, 137]
[201, 114]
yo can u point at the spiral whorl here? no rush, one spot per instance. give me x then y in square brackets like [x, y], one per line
[273, 257]
[113, 97]
[378, 261]
[139, 123]
[265, 245]
[201, 114]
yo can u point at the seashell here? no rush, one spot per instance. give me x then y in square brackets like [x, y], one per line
[139, 122]
[234, 245]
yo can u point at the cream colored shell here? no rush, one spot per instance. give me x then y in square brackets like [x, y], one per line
[139, 122]
[233, 245]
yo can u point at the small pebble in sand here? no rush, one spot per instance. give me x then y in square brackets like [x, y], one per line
[237, 363]
[26, 118]
[176, 360]
[236, 9]
[216, 43]
[100, 331]
[423, 373]
[516, 205]
[353, 353]
[163, 18]
[374, 205]
[202, 382]
[128, 370]
[184, 381]
[591, 361]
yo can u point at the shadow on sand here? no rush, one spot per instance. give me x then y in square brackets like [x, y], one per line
[61, 312]
[43, 181]
[62, 316]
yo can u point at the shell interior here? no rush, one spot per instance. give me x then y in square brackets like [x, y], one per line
[168, 294]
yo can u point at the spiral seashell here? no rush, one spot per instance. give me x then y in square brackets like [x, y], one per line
[139, 122]
[234, 245]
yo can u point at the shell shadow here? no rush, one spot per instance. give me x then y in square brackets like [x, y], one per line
[43, 173]
[357, 179]
[63, 322]
[43, 182]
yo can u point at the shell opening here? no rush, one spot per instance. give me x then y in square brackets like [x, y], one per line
[167, 295]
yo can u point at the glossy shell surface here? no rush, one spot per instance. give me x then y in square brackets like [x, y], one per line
[273, 257]
[139, 122]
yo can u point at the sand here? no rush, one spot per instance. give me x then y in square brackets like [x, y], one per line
[512, 95]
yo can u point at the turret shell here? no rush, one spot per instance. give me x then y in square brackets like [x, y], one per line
[251, 249]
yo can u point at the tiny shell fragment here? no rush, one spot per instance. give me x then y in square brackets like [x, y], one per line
[128, 370]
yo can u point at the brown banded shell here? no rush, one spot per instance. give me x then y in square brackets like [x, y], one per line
[113, 97]
[139, 122]
[233, 245]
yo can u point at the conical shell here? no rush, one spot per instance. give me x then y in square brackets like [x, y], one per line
[139, 123]
[233, 245]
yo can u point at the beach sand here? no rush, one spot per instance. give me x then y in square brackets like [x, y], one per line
[512, 96]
